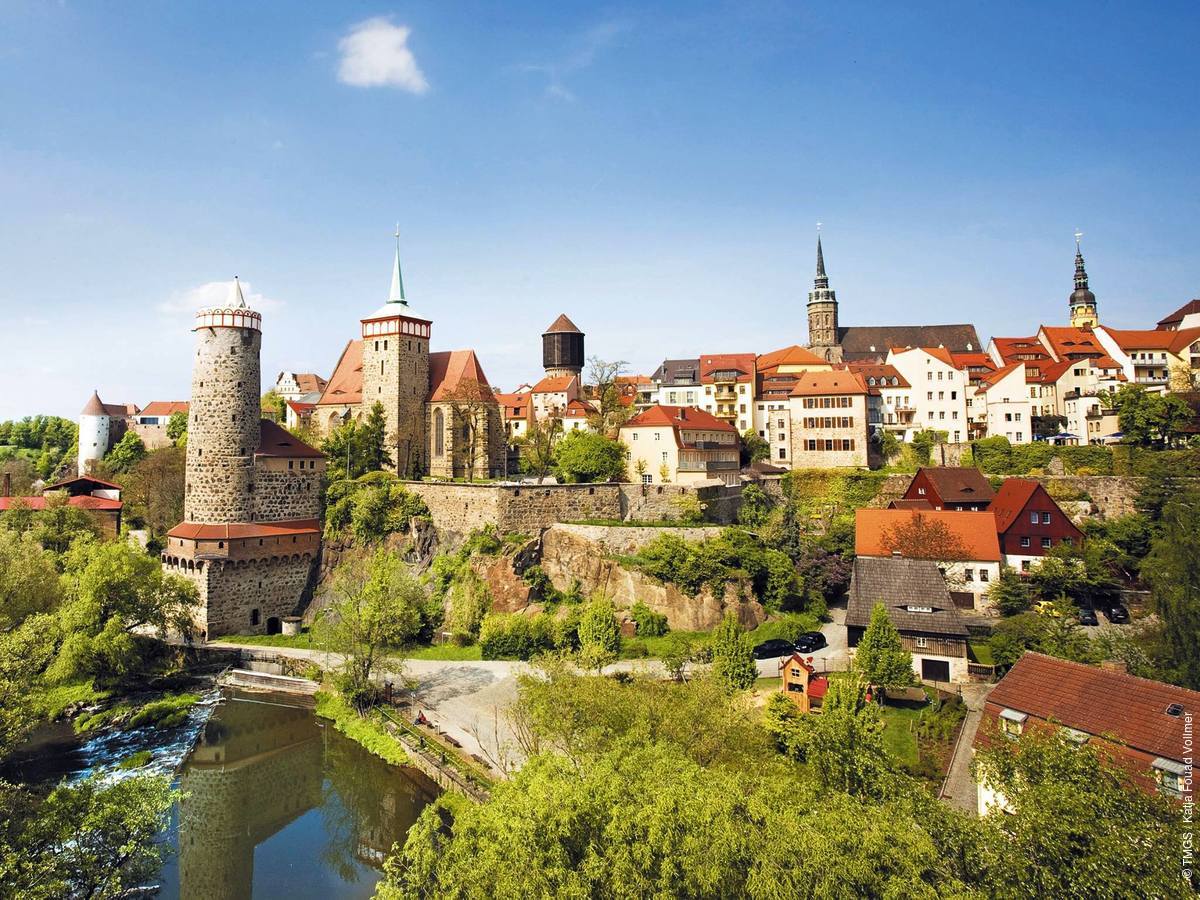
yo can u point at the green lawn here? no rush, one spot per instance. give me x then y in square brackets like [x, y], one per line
[981, 652]
[444, 651]
[899, 736]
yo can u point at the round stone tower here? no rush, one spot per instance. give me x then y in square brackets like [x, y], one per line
[223, 419]
[562, 348]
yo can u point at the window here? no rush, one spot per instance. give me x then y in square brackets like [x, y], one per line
[1012, 723]
[782, 453]
[983, 575]
[647, 479]
[1045, 543]
[1045, 518]
[664, 456]
[929, 395]
[929, 376]
[254, 617]
[1170, 776]
[941, 395]
[1024, 542]
[439, 433]
[969, 574]
[921, 491]
[1033, 518]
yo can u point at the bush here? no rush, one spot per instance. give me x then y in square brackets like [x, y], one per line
[788, 626]
[514, 636]
[649, 623]
[370, 508]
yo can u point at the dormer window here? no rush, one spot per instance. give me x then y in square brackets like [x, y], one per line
[1012, 723]
[1170, 775]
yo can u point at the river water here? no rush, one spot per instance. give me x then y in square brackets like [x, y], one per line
[276, 803]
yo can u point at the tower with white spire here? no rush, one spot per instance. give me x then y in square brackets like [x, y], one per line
[395, 373]
[823, 314]
[1082, 301]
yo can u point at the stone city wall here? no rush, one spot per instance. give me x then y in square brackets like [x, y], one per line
[230, 592]
[528, 508]
[282, 495]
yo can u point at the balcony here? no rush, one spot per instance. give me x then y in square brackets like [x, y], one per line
[708, 466]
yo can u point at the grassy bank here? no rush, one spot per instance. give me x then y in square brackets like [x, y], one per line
[368, 732]
[167, 711]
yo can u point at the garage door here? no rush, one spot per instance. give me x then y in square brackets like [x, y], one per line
[935, 670]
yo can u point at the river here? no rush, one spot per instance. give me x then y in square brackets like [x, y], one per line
[276, 803]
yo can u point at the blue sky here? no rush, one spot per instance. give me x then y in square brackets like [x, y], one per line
[655, 171]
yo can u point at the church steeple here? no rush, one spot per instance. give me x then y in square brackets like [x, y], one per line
[823, 311]
[1082, 301]
[396, 293]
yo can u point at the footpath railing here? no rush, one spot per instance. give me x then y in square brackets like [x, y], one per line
[434, 755]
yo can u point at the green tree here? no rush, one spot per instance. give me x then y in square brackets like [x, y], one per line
[86, 839]
[177, 427]
[114, 592]
[274, 407]
[129, 451]
[1172, 569]
[881, 658]
[584, 456]
[153, 490]
[59, 524]
[599, 634]
[924, 441]
[372, 440]
[28, 579]
[1148, 419]
[375, 607]
[1078, 826]
[754, 448]
[1009, 593]
[756, 506]
[845, 747]
[611, 413]
[676, 655]
[538, 447]
[733, 657]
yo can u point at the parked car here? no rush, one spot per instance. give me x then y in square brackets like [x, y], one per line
[773, 648]
[1087, 616]
[1116, 612]
[810, 642]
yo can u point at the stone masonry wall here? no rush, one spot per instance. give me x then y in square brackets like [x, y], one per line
[223, 426]
[282, 494]
[528, 508]
[230, 591]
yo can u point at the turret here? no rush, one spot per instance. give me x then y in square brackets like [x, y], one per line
[822, 310]
[95, 431]
[562, 348]
[224, 414]
[1082, 302]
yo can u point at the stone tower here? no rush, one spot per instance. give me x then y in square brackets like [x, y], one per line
[223, 419]
[562, 349]
[95, 428]
[1082, 301]
[395, 372]
[823, 314]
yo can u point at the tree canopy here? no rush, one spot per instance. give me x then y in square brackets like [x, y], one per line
[881, 658]
[584, 456]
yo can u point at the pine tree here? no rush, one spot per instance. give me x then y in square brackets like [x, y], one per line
[881, 657]
[733, 657]
[373, 456]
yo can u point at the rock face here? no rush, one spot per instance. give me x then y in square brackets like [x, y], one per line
[584, 553]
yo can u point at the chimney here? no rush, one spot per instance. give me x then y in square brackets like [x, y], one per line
[6, 491]
[683, 412]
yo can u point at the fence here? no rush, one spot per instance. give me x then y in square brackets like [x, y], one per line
[433, 755]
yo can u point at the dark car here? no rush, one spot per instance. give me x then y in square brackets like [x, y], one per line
[773, 648]
[810, 642]
[1087, 616]
[1117, 613]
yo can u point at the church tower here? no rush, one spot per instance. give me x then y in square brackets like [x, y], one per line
[1082, 300]
[823, 314]
[395, 372]
[223, 418]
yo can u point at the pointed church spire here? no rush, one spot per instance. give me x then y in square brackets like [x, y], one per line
[1081, 278]
[396, 294]
[821, 282]
[236, 300]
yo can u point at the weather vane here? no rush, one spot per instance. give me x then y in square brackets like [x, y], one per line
[1078, 235]
[818, 228]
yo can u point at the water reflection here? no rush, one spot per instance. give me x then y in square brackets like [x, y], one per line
[277, 804]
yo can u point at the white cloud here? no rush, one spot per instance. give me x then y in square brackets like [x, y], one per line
[215, 293]
[586, 47]
[375, 54]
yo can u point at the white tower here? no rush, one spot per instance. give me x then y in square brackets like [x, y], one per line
[95, 428]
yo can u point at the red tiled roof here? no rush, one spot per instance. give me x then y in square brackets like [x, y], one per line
[82, 501]
[794, 355]
[878, 371]
[992, 378]
[164, 408]
[822, 384]
[514, 406]
[976, 530]
[579, 409]
[958, 484]
[1010, 500]
[1172, 341]
[457, 374]
[741, 363]
[687, 418]
[195, 531]
[309, 382]
[910, 504]
[345, 384]
[562, 324]
[969, 360]
[275, 440]
[300, 408]
[1190, 308]
[1099, 702]
[1008, 348]
[555, 385]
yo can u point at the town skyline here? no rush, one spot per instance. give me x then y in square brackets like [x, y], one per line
[655, 175]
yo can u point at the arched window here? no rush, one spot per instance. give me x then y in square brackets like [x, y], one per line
[439, 433]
